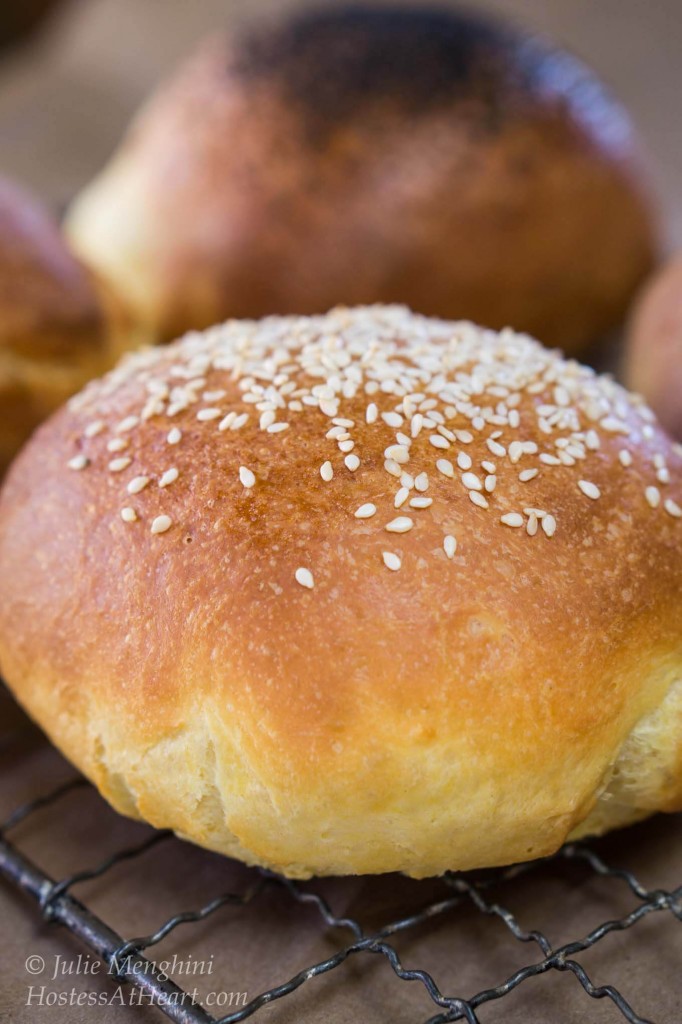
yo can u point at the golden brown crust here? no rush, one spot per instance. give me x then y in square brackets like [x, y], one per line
[57, 324]
[458, 711]
[653, 349]
[418, 157]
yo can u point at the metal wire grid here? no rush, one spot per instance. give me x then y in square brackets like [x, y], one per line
[126, 961]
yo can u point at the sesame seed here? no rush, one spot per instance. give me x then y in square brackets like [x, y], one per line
[346, 446]
[372, 413]
[614, 425]
[548, 524]
[305, 578]
[512, 519]
[277, 428]
[653, 496]
[352, 462]
[489, 467]
[663, 475]
[416, 424]
[326, 471]
[421, 482]
[174, 436]
[438, 441]
[472, 482]
[464, 461]
[329, 408]
[366, 511]
[401, 497]
[445, 467]
[528, 474]
[391, 560]
[450, 545]
[204, 415]
[398, 453]
[239, 421]
[137, 484]
[478, 499]
[532, 525]
[490, 483]
[406, 480]
[169, 477]
[495, 448]
[625, 457]
[672, 508]
[117, 444]
[589, 489]
[400, 525]
[118, 465]
[515, 451]
[247, 477]
[392, 419]
[392, 467]
[420, 502]
[549, 460]
[161, 524]
[78, 462]
[128, 514]
[129, 423]
[94, 428]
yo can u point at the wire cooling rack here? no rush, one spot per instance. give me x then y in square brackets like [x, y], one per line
[129, 959]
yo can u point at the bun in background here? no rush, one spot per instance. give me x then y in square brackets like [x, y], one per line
[425, 156]
[653, 350]
[58, 326]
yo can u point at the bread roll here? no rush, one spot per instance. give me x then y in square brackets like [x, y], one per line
[653, 351]
[58, 328]
[375, 155]
[360, 593]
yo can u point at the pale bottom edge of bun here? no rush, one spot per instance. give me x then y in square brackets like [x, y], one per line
[195, 783]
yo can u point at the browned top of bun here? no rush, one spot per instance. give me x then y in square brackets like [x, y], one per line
[368, 155]
[334, 65]
[358, 592]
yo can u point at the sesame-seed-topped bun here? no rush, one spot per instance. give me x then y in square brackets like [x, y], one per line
[356, 593]
[58, 327]
[374, 154]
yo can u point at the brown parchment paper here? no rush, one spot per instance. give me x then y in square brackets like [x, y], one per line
[63, 102]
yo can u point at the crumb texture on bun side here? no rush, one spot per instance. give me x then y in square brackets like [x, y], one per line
[429, 157]
[355, 593]
[58, 327]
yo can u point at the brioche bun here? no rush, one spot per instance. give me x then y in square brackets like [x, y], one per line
[653, 348]
[369, 155]
[58, 326]
[359, 593]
